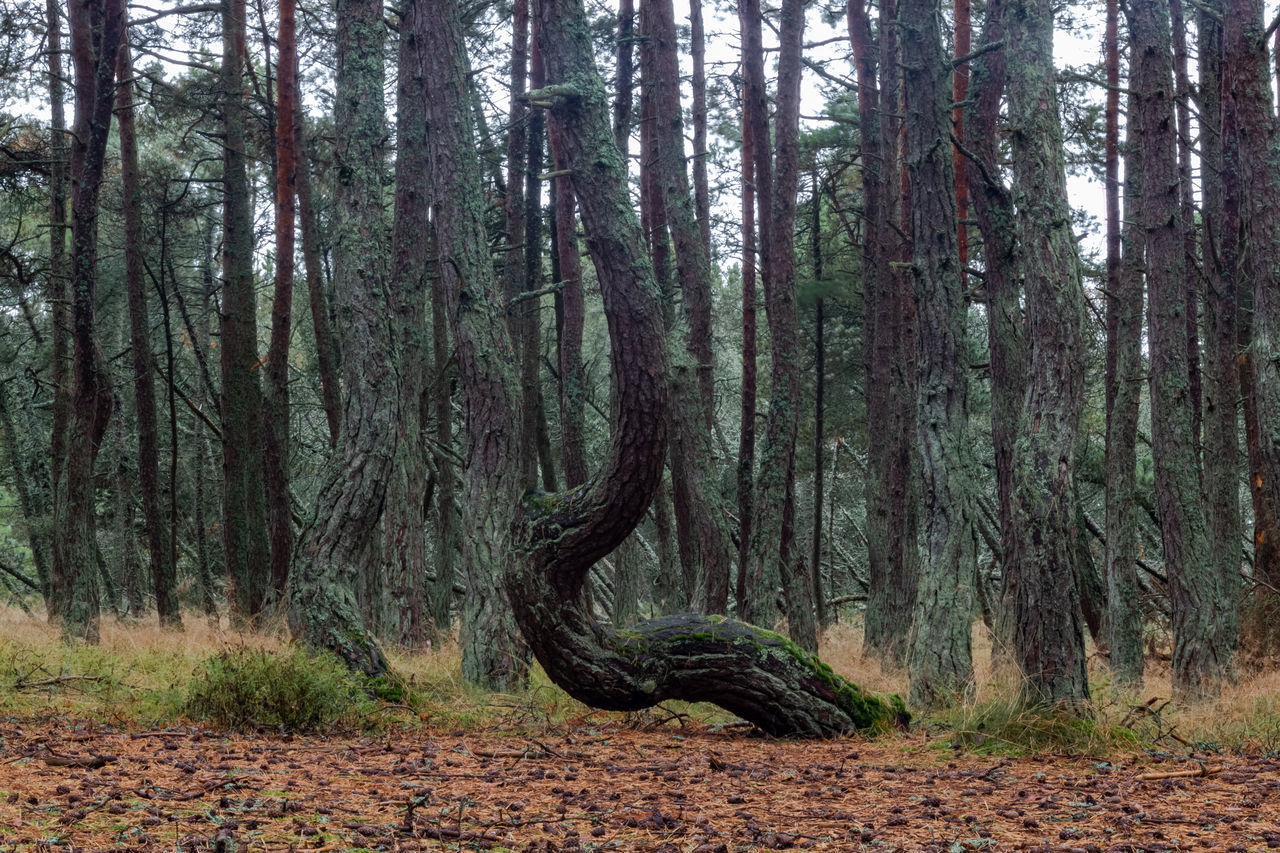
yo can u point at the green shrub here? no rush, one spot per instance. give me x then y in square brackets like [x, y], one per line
[294, 690]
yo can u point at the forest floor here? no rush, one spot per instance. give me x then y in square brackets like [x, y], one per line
[597, 783]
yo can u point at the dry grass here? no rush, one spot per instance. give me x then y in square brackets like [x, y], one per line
[140, 671]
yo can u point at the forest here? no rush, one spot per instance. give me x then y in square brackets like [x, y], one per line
[637, 347]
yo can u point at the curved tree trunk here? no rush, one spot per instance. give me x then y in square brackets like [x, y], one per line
[557, 538]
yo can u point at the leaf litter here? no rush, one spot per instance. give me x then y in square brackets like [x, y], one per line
[598, 784]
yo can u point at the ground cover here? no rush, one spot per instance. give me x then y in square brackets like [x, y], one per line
[602, 783]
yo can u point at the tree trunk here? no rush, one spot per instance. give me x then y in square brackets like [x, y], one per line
[340, 549]
[275, 413]
[559, 537]
[447, 514]
[1048, 640]
[747, 412]
[891, 493]
[327, 357]
[940, 659]
[1221, 260]
[56, 291]
[163, 572]
[1201, 655]
[404, 554]
[1123, 386]
[701, 192]
[244, 534]
[774, 523]
[493, 655]
[96, 31]
[692, 413]
[27, 474]
[1247, 106]
[1182, 93]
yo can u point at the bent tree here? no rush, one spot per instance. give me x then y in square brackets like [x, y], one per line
[553, 540]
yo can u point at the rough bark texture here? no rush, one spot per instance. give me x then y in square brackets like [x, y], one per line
[1186, 191]
[1048, 639]
[1002, 287]
[745, 479]
[1247, 105]
[940, 660]
[1201, 656]
[275, 412]
[244, 534]
[699, 514]
[56, 288]
[774, 525]
[327, 360]
[572, 315]
[1124, 365]
[891, 492]
[698, 53]
[163, 573]
[339, 550]
[1220, 214]
[559, 537]
[761, 576]
[493, 655]
[404, 555]
[96, 31]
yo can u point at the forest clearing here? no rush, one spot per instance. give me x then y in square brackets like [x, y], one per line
[97, 755]
[548, 424]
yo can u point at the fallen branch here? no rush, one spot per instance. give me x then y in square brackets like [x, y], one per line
[1202, 770]
[90, 762]
[55, 682]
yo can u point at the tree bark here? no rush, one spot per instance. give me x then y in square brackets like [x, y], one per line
[1006, 325]
[891, 493]
[747, 412]
[339, 551]
[163, 572]
[774, 524]
[56, 291]
[940, 661]
[275, 414]
[1048, 639]
[1247, 106]
[493, 654]
[96, 30]
[404, 554]
[1220, 215]
[1123, 387]
[245, 544]
[559, 537]
[1201, 656]
[692, 411]
[328, 362]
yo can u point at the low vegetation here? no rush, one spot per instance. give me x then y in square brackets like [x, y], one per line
[144, 677]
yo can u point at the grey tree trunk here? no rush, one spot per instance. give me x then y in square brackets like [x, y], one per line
[940, 659]
[1220, 188]
[340, 549]
[1124, 386]
[404, 552]
[1047, 638]
[493, 654]
[1201, 656]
